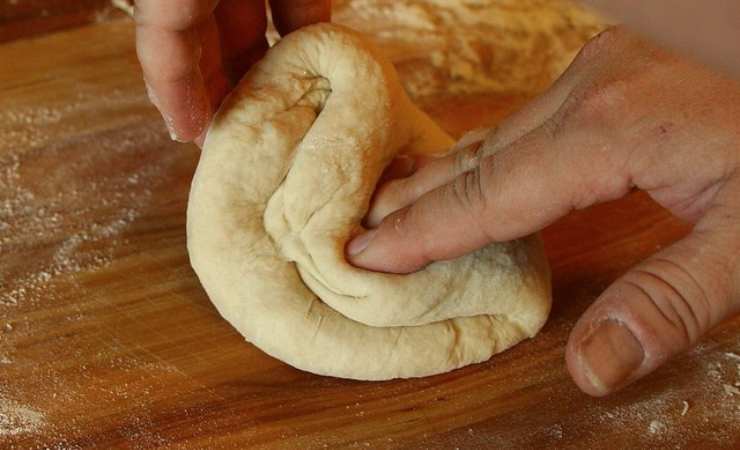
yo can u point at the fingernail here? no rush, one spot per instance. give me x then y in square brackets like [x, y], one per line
[360, 243]
[610, 355]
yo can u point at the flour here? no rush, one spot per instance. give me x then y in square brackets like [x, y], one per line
[57, 215]
[730, 390]
[464, 47]
[657, 427]
[25, 133]
[16, 418]
[450, 46]
[684, 408]
[72, 187]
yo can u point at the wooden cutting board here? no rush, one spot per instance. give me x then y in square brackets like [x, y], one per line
[107, 339]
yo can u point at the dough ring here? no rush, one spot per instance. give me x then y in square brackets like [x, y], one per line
[286, 175]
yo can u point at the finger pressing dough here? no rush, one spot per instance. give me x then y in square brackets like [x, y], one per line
[286, 175]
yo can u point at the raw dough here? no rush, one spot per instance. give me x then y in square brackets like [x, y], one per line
[286, 175]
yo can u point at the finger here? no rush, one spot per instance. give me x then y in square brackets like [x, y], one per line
[211, 64]
[399, 192]
[289, 15]
[168, 44]
[401, 167]
[170, 62]
[658, 309]
[468, 150]
[242, 25]
[174, 15]
[515, 192]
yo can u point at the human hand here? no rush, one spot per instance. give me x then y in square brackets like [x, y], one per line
[193, 52]
[625, 115]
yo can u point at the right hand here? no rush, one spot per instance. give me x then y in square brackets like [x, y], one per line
[193, 52]
[625, 115]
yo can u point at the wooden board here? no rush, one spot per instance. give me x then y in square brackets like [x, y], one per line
[107, 339]
[23, 18]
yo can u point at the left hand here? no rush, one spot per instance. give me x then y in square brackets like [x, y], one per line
[625, 115]
[193, 52]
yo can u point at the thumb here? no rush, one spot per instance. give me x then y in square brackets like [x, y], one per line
[656, 310]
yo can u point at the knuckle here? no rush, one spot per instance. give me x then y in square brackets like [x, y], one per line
[598, 44]
[676, 295]
[468, 192]
[466, 159]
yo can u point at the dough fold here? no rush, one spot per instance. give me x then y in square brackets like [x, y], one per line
[286, 175]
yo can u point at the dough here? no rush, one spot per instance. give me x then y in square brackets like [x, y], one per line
[286, 175]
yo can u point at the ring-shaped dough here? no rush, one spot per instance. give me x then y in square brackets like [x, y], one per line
[286, 175]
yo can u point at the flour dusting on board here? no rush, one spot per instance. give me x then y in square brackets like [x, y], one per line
[46, 187]
[71, 187]
[676, 415]
[77, 228]
[16, 418]
[452, 46]
[664, 414]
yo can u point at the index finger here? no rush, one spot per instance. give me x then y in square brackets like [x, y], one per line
[173, 15]
[510, 194]
[168, 45]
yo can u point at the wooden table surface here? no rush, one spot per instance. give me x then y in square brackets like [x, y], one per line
[107, 339]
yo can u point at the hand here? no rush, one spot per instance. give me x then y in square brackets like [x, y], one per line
[193, 52]
[624, 115]
[674, 23]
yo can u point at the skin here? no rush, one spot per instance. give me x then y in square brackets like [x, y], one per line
[625, 115]
[193, 52]
[707, 31]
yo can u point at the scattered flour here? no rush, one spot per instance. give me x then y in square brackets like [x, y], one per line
[449, 46]
[16, 418]
[439, 46]
[685, 408]
[730, 390]
[466, 47]
[69, 195]
[657, 427]
[67, 224]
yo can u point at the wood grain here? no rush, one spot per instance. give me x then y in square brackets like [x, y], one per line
[27, 18]
[107, 339]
